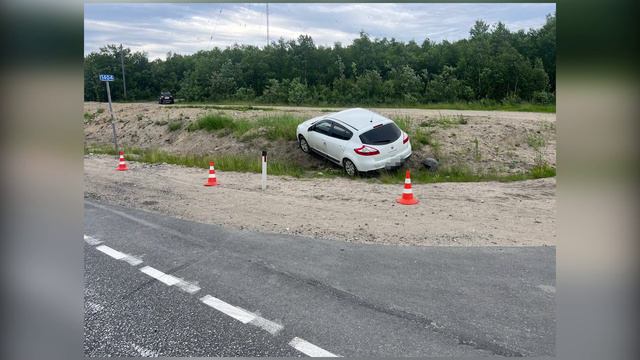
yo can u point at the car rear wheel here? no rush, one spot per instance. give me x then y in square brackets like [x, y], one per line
[350, 168]
[304, 145]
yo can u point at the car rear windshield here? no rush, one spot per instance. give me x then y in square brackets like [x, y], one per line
[382, 135]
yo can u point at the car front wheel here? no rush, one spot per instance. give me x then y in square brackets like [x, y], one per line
[350, 168]
[304, 145]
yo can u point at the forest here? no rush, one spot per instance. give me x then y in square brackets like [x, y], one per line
[493, 65]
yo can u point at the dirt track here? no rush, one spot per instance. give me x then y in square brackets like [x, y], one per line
[468, 214]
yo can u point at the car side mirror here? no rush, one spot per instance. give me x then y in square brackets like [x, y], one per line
[311, 128]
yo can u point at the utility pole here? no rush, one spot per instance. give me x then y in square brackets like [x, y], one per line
[268, 25]
[124, 82]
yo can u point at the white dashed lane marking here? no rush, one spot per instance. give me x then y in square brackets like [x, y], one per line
[145, 352]
[91, 240]
[309, 349]
[188, 287]
[242, 315]
[119, 255]
[93, 307]
[170, 280]
[235, 312]
[267, 325]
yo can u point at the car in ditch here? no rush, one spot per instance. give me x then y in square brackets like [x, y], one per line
[357, 139]
[165, 98]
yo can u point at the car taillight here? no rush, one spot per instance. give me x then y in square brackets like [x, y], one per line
[405, 138]
[366, 151]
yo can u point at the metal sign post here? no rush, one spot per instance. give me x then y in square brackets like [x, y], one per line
[124, 80]
[264, 170]
[107, 79]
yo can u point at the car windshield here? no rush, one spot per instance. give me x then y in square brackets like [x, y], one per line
[381, 135]
[166, 94]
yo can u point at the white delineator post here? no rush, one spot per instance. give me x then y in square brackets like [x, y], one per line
[264, 170]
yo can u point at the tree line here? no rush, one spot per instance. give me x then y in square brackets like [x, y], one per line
[493, 64]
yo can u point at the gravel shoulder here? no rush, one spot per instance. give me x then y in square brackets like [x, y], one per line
[449, 214]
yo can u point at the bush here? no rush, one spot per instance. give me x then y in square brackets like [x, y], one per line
[510, 99]
[542, 98]
[245, 94]
[276, 92]
[297, 92]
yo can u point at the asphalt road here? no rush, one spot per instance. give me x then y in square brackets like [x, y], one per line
[160, 286]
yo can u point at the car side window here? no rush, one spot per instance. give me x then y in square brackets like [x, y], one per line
[323, 127]
[340, 132]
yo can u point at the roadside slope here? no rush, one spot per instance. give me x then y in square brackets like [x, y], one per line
[482, 141]
[450, 214]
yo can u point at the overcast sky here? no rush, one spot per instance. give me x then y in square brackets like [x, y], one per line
[187, 28]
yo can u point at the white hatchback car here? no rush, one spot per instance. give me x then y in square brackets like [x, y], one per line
[357, 139]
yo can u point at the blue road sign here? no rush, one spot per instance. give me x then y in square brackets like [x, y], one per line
[105, 77]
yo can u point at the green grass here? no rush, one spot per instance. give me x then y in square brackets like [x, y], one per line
[281, 127]
[404, 123]
[461, 174]
[473, 105]
[240, 163]
[212, 122]
[536, 141]
[418, 135]
[445, 121]
[88, 117]
[245, 163]
[476, 105]
[424, 137]
[174, 125]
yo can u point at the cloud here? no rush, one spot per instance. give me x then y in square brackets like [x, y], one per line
[187, 28]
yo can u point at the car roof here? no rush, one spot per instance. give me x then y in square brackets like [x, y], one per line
[359, 118]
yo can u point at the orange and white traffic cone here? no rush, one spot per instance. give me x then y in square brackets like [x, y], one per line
[407, 194]
[122, 166]
[211, 181]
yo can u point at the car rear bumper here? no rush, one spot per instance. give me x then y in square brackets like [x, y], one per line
[373, 163]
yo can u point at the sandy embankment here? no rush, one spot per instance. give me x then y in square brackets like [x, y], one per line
[450, 214]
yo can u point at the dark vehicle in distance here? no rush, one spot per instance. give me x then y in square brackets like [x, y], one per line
[165, 98]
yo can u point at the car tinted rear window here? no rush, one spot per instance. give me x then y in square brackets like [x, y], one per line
[323, 127]
[384, 134]
[340, 132]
